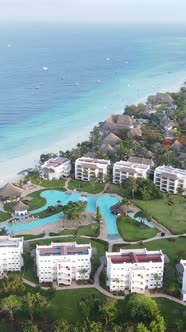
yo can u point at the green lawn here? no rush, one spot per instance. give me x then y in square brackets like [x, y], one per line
[30, 236]
[115, 189]
[174, 218]
[86, 186]
[132, 230]
[88, 230]
[4, 216]
[65, 304]
[47, 212]
[171, 311]
[45, 183]
[37, 201]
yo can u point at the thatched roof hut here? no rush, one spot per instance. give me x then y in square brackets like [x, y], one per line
[20, 206]
[118, 208]
[111, 139]
[10, 190]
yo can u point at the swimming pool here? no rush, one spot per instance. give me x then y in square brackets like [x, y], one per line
[144, 221]
[53, 196]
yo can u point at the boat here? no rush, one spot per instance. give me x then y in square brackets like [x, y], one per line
[98, 81]
[76, 84]
[45, 68]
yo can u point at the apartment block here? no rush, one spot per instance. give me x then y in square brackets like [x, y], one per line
[169, 179]
[55, 168]
[135, 270]
[87, 168]
[181, 275]
[63, 262]
[11, 250]
[124, 169]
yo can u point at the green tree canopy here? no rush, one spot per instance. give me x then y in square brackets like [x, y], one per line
[108, 310]
[34, 302]
[11, 304]
[73, 210]
[141, 308]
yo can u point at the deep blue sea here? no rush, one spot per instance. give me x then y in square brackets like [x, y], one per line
[93, 71]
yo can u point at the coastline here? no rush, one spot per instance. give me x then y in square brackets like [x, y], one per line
[10, 168]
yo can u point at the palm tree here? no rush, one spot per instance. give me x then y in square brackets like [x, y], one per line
[117, 281]
[169, 202]
[82, 273]
[3, 231]
[180, 191]
[11, 304]
[127, 204]
[156, 279]
[133, 185]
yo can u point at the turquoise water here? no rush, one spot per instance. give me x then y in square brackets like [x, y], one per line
[52, 196]
[143, 60]
[146, 222]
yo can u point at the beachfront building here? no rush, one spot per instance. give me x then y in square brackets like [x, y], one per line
[169, 179]
[87, 168]
[181, 276]
[126, 169]
[11, 250]
[21, 209]
[63, 262]
[134, 270]
[55, 168]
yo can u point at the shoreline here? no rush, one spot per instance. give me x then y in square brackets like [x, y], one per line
[10, 168]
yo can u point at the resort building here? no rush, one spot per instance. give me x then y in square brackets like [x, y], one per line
[11, 250]
[134, 270]
[169, 179]
[125, 169]
[55, 168]
[87, 168]
[181, 276]
[63, 262]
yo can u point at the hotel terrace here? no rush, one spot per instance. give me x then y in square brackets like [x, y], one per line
[181, 275]
[169, 179]
[11, 250]
[125, 169]
[55, 168]
[135, 270]
[63, 262]
[86, 168]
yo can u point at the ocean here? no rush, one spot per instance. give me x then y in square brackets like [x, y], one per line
[58, 81]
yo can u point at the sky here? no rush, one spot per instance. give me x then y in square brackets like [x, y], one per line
[94, 11]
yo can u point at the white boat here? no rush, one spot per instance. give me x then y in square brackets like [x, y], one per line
[45, 68]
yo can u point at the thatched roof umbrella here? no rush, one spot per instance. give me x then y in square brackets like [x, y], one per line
[118, 208]
[9, 190]
[27, 199]
[20, 206]
[20, 209]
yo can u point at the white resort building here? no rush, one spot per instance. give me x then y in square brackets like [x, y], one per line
[63, 262]
[87, 168]
[169, 179]
[11, 250]
[135, 270]
[181, 275]
[126, 169]
[55, 168]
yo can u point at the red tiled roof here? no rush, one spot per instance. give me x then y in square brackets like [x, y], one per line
[135, 258]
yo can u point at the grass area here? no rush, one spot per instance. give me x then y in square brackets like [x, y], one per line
[37, 201]
[115, 189]
[29, 269]
[132, 230]
[171, 311]
[65, 304]
[30, 236]
[48, 212]
[46, 183]
[172, 217]
[88, 230]
[86, 186]
[4, 216]
[174, 248]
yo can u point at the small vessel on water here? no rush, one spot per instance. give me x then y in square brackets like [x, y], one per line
[76, 84]
[98, 81]
[45, 68]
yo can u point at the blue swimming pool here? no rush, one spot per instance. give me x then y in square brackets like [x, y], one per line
[53, 196]
[144, 221]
